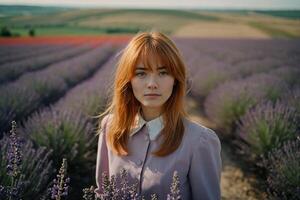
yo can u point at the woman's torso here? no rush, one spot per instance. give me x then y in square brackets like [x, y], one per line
[154, 174]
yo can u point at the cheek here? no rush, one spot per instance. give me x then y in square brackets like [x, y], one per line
[168, 85]
[136, 86]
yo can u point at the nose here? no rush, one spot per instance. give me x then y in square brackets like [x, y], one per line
[152, 82]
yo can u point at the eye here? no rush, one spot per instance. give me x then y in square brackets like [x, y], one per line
[140, 74]
[163, 73]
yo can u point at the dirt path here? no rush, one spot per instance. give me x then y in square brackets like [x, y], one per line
[236, 181]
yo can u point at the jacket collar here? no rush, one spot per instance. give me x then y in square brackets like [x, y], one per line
[154, 126]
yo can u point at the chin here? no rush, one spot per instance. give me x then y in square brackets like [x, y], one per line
[152, 104]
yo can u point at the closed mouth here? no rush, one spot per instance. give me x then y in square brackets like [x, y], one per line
[152, 95]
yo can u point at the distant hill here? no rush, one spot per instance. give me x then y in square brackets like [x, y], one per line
[25, 10]
[186, 23]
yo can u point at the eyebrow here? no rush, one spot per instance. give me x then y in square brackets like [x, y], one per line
[143, 68]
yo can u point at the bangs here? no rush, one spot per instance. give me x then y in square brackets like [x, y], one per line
[152, 56]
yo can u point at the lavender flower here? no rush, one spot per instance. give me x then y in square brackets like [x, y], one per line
[14, 163]
[154, 197]
[124, 191]
[2, 192]
[14, 155]
[133, 192]
[124, 185]
[60, 187]
[33, 173]
[88, 193]
[110, 190]
[175, 191]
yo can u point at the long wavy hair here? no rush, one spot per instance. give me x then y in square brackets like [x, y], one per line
[124, 107]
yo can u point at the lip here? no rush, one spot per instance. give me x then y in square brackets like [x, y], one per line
[152, 95]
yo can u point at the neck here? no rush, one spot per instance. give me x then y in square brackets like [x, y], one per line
[150, 113]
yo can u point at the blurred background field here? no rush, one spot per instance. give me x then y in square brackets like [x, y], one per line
[191, 23]
[56, 72]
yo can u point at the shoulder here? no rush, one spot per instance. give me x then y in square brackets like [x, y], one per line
[196, 134]
[106, 120]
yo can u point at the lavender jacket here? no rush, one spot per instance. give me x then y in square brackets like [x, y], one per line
[197, 161]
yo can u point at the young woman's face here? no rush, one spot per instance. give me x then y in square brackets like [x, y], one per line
[152, 88]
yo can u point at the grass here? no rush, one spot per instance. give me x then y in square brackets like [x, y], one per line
[290, 14]
[74, 31]
[274, 32]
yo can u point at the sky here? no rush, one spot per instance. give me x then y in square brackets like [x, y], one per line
[187, 4]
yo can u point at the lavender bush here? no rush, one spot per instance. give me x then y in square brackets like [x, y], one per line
[293, 98]
[267, 125]
[11, 109]
[289, 74]
[209, 77]
[24, 172]
[254, 66]
[229, 101]
[70, 135]
[283, 166]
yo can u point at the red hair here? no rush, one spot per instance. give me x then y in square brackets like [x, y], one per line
[124, 106]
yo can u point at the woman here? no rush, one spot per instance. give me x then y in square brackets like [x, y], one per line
[146, 129]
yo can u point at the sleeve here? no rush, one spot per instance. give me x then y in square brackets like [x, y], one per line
[205, 168]
[102, 157]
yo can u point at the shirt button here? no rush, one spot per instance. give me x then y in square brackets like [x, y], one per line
[139, 162]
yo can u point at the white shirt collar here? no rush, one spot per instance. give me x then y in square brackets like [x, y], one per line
[154, 126]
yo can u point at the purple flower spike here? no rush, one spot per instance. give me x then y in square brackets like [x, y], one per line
[14, 153]
[88, 193]
[175, 191]
[60, 186]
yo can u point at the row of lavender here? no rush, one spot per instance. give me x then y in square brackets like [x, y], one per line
[212, 62]
[12, 53]
[39, 88]
[252, 93]
[44, 57]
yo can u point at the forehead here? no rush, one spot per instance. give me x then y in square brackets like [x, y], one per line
[152, 61]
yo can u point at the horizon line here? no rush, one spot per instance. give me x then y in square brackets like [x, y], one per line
[150, 7]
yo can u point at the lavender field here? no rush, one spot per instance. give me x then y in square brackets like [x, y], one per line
[250, 90]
